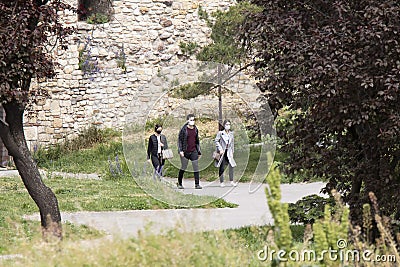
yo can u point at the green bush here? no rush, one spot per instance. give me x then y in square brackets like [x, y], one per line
[203, 14]
[191, 90]
[283, 233]
[97, 18]
[188, 48]
[150, 123]
[86, 139]
[309, 209]
[88, 64]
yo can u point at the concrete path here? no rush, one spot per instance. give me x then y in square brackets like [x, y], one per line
[252, 210]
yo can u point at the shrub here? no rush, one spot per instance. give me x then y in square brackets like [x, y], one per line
[97, 18]
[191, 90]
[308, 209]
[87, 138]
[188, 48]
[279, 210]
[88, 64]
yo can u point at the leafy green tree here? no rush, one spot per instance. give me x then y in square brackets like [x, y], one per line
[28, 30]
[225, 46]
[336, 65]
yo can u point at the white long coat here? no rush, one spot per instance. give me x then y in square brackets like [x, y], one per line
[224, 139]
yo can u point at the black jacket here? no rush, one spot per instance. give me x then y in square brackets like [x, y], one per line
[152, 147]
[182, 139]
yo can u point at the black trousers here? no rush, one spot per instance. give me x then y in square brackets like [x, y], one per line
[224, 162]
[194, 157]
[157, 161]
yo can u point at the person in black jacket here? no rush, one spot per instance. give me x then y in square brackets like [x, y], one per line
[157, 143]
[189, 149]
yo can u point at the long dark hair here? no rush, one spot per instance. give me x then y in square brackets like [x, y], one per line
[222, 126]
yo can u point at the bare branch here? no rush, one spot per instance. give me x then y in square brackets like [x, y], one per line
[230, 76]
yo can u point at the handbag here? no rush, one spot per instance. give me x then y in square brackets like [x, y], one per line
[216, 156]
[167, 154]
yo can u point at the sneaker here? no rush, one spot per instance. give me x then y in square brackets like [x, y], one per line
[179, 186]
[222, 184]
[197, 186]
[233, 183]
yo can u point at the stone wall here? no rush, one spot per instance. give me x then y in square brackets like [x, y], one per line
[141, 39]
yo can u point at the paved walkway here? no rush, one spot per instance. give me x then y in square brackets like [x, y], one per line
[252, 210]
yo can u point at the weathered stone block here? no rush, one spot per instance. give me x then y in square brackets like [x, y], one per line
[165, 35]
[49, 130]
[166, 22]
[55, 107]
[68, 69]
[57, 123]
[31, 133]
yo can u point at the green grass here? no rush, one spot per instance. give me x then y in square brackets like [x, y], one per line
[95, 160]
[171, 249]
[211, 172]
[15, 232]
[236, 247]
[254, 237]
[86, 195]
[91, 152]
[90, 160]
[87, 153]
[77, 195]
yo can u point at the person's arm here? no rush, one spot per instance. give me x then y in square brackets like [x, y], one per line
[217, 143]
[233, 143]
[198, 142]
[180, 140]
[165, 142]
[149, 147]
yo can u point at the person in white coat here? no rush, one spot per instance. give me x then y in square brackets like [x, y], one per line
[225, 145]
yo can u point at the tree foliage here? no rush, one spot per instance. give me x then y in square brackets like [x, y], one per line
[308, 209]
[29, 30]
[336, 66]
[226, 47]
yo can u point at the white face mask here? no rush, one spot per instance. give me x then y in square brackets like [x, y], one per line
[191, 123]
[227, 127]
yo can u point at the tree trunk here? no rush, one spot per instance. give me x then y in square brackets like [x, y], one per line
[220, 126]
[12, 134]
[355, 202]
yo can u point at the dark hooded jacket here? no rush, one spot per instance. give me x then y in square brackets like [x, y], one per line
[182, 139]
[152, 147]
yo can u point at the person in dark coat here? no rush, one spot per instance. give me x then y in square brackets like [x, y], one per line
[157, 143]
[189, 149]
